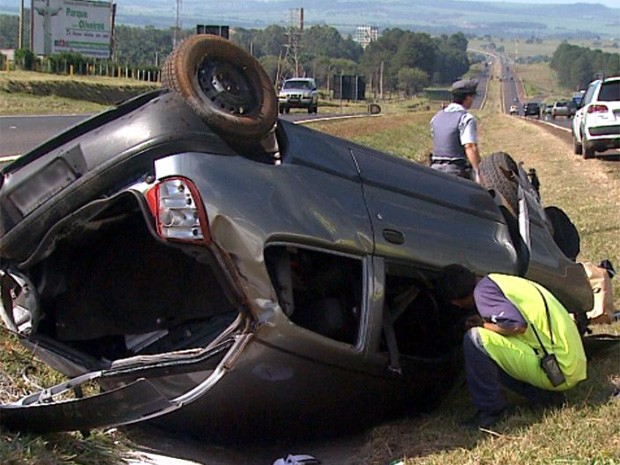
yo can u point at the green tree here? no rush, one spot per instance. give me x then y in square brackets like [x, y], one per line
[412, 80]
[24, 59]
[271, 65]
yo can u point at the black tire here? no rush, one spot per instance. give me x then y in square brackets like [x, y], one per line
[226, 86]
[577, 147]
[287, 109]
[499, 172]
[564, 232]
[588, 151]
[281, 109]
[310, 110]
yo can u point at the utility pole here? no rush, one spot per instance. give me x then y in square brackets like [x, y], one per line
[20, 34]
[292, 48]
[177, 24]
[381, 82]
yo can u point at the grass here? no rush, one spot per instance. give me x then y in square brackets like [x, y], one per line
[586, 431]
[520, 49]
[540, 80]
[26, 92]
[24, 104]
[21, 374]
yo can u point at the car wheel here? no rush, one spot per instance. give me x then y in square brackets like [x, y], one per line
[564, 232]
[499, 172]
[226, 86]
[287, 109]
[577, 147]
[281, 109]
[310, 110]
[588, 151]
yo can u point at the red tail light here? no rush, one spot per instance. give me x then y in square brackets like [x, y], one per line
[598, 109]
[178, 210]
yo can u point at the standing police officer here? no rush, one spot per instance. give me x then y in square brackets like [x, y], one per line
[455, 139]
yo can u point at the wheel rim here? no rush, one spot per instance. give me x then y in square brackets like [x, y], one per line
[227, 87]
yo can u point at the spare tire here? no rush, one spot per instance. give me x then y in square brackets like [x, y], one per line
[500, 172]
[226, 86]
[564, 232]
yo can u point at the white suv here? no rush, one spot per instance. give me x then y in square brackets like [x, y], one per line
[298, 93]
[596, 126]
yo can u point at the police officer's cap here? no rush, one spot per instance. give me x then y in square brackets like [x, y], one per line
[465, 87]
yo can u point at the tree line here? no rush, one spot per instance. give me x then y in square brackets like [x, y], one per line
[577, 66]
[399, 60]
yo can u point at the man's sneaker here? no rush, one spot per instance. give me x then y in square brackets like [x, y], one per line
[484, 419]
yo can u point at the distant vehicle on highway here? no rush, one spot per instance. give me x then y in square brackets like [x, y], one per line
[546, 109]
[561, 108]
[298, 93]
[531, 109]
[577, 97]
[514, 110]
[596, 124]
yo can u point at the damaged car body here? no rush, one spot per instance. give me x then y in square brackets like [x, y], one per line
[222, 272]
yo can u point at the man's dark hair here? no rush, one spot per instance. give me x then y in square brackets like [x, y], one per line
[455, 282]
[460, 96]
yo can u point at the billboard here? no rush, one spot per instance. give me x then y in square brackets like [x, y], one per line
[78, 26]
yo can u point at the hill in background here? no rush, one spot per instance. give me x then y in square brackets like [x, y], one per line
[499, 19]
[505, 19]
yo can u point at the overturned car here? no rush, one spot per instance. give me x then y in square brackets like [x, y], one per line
[223, 272]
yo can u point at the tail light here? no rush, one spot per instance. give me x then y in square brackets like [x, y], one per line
[178, 211]
[598, 109]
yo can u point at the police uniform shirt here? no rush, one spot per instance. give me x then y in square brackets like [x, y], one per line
[467, 124]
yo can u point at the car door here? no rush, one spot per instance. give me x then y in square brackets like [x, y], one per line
[426, 217]
[580, 115]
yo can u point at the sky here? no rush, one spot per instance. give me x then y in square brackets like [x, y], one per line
[610, 3]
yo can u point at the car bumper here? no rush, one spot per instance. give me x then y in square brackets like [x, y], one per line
[296, 103]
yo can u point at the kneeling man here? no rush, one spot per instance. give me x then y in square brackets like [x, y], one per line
[518, 324]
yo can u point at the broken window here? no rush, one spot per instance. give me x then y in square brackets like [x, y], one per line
[423, 325]
[319, 291]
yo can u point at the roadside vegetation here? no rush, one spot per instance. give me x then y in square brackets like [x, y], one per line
[28, 92]
[586, 431]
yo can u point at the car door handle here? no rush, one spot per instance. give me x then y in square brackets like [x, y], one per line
[394, 236]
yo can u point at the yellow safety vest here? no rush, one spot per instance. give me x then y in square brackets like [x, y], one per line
[516, 355]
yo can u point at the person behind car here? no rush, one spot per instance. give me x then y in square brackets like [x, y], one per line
[455, 137]
[515, 325]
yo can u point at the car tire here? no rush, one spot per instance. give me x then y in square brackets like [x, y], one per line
[588, 151]
[577, 147]
[226, 86]
[499, 172]
[564, 232]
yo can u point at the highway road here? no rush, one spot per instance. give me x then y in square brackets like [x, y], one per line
[20, 134]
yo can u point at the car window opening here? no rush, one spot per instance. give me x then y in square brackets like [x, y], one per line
[424, 326]
[111, 290]
[319, 291]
